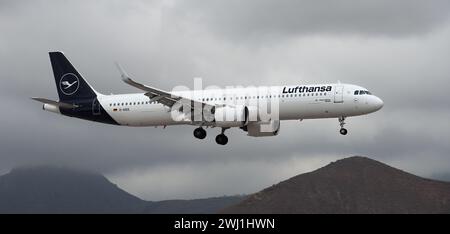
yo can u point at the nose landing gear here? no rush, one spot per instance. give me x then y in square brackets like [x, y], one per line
[343, 131]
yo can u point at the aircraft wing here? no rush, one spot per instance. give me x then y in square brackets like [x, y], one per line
[163, 97]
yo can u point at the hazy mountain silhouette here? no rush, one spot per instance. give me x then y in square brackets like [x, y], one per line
[351, 185]
[62, 190]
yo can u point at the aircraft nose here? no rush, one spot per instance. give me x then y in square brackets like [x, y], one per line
[377, 103]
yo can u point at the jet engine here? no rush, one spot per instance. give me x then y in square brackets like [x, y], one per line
[263, 129]
[227, 117]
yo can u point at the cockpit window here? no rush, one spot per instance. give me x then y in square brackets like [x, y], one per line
[362, 92]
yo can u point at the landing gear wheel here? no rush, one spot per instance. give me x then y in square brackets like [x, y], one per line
[343, 131]
[200, 133]
[221, 139]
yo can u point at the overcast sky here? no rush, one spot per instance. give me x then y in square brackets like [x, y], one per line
[399, 50]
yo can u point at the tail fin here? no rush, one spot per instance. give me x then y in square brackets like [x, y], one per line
[70, 84]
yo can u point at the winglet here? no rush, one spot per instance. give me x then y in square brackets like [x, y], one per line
[122, 71]
[127, 79]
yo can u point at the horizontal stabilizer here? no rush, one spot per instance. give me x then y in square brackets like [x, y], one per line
[55, 103]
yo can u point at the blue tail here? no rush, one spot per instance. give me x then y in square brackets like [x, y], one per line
[70, 84]
[74, 90]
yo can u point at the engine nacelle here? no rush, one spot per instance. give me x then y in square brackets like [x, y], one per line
[263, 129]
[228, 117]
[253, 114]
[51, 108]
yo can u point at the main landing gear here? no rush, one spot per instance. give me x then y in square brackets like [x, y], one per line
[343, 131]
[221, 139]
[200, 133]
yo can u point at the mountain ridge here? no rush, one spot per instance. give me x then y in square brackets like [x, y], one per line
[351, 185]
[52, 189]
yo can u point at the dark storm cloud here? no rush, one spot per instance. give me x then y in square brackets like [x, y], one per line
[402, 56]
[254, 18]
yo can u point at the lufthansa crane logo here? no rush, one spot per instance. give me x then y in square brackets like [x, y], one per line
[69, 84]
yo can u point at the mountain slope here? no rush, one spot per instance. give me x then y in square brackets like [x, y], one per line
[63, 190]
[352, 185]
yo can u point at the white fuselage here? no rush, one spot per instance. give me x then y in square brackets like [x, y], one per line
[340, 101]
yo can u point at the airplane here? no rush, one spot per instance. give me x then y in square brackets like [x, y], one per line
[156, 107]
